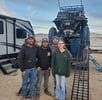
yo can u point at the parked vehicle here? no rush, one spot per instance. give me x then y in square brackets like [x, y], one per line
[13, 32]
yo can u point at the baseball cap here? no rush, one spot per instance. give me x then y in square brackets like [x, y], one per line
[55, 37]
[44, 40]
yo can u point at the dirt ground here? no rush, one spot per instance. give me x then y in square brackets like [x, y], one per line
[10, 84]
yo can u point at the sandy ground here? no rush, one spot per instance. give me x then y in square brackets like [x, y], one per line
[10, 84]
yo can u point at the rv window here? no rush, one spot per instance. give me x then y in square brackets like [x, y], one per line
[20, 33]
[1, 27]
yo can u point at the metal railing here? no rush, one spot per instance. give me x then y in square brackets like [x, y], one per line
[78, 8]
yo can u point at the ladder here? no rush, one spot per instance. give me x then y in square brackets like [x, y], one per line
[80, 88]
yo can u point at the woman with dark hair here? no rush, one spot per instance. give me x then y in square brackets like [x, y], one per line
[27, 64]
[61, 69]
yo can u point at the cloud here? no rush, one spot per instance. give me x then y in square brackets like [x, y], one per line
[5, 10]
[96, 20]
[95, 24]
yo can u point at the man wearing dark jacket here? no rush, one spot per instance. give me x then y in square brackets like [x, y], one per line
[53, 47]
[27, 63]
[44, 64]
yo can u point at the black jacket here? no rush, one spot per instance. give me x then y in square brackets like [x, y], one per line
[27, 57]
[44, 58]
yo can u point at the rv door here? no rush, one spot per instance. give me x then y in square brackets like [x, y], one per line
[2, 37]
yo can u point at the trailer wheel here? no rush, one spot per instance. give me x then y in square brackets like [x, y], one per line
[52, 33]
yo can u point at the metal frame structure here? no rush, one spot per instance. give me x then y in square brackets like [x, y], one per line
[73, 29]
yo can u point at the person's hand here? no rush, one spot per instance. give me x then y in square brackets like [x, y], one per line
[49, 68]
[23, 73]
[38, 69]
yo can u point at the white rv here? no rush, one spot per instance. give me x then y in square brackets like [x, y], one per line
[13, 31]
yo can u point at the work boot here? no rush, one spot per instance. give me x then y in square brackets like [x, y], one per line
[33, 98]
[19, 92]
[47, 92]
[66, 98]
[23, 98]
[38, 97]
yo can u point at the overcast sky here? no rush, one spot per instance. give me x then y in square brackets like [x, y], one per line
[41, 13]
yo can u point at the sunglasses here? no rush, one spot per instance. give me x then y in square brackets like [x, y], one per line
[60, 43]
[44, 41]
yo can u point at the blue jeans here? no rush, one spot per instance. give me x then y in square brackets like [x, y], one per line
[60, 87]
[29, 82]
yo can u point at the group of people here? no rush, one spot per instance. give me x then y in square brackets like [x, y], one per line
[37, 62]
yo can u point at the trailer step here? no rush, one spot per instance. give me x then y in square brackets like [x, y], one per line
[4, 61]
[7, 68]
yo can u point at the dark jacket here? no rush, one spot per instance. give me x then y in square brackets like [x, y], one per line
[27, 57]
[53, 48]
[44, 58]
[61, 63]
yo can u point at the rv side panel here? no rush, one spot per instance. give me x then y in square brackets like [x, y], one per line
[2, 37]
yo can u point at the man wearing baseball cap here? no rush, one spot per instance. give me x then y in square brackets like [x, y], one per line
[27, 64]
[44, 64]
